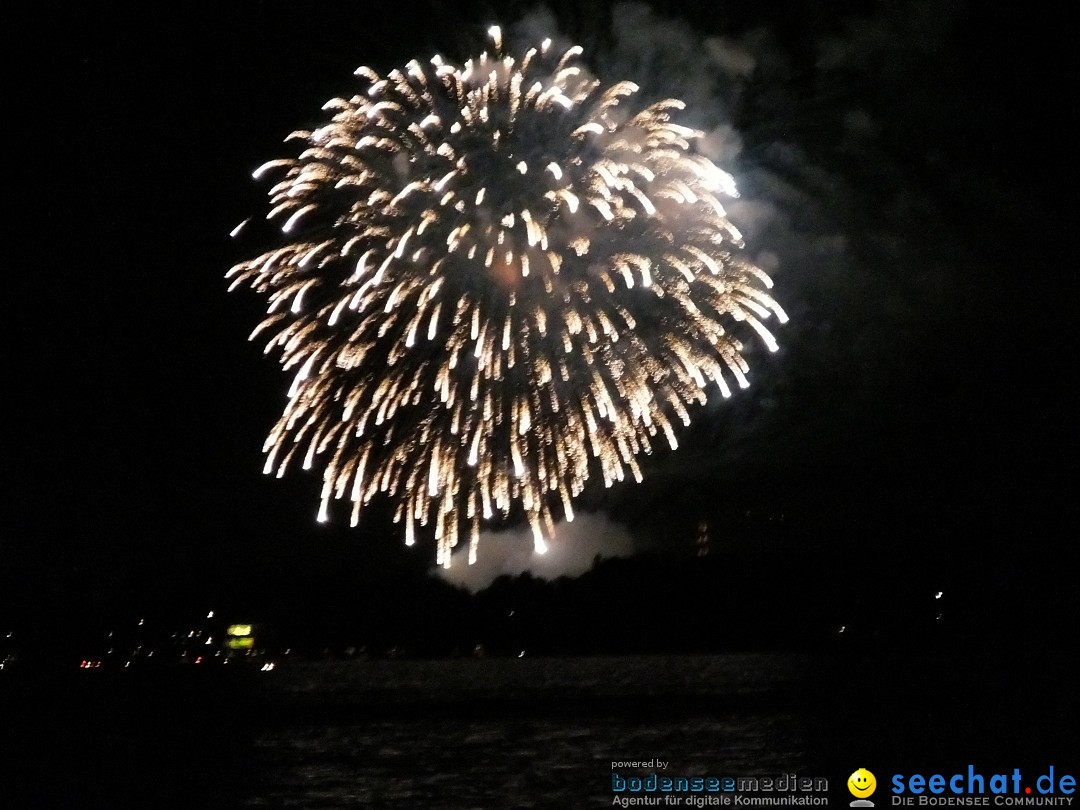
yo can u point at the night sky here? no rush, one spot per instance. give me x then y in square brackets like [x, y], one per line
[905, 167]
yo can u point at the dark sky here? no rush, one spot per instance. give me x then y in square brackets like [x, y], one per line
[910, 169]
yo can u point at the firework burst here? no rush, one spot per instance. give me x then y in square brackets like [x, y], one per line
[496, 281]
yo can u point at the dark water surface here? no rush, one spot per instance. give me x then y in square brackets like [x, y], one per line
[530, 732]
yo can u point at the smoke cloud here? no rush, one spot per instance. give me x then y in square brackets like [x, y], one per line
[571, 551]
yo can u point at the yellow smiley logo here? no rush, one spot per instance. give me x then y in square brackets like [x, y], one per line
[861, 783]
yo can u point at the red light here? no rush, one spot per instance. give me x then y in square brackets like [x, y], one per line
[198, 660]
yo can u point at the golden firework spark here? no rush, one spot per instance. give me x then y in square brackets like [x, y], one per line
[496, 281]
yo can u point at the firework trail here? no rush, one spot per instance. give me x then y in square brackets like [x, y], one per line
[495, 281]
